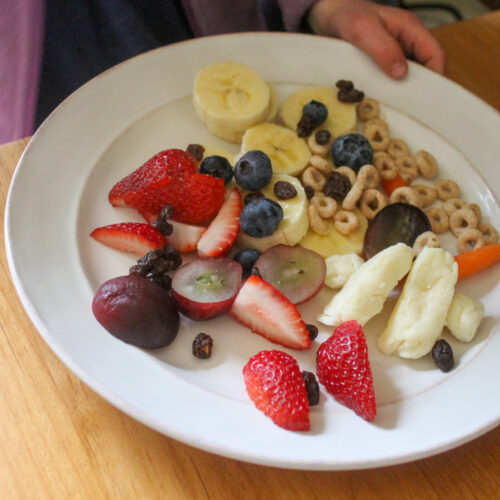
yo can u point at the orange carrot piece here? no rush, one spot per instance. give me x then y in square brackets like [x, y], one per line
[476, 260]
[393, 184]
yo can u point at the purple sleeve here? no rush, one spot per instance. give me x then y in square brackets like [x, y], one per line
[293, 11]
[21, 40]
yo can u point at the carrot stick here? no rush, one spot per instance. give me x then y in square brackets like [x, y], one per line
[393, 184]
[476, 260]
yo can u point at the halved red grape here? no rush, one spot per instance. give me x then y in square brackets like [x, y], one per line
[136, 311]
[296, 272]
[396, 223]
[206, 287]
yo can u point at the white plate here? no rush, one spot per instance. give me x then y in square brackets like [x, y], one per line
[109, 127]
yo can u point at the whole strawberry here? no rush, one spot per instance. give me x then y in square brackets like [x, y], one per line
[275, 384]
[343, 368]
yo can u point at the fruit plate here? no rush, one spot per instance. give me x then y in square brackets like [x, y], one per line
[115, 122]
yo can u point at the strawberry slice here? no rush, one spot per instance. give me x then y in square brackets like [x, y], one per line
[266, 311]
[344, 369]
[275, 384]
[223, 230]
[184, 237]
[135, 237]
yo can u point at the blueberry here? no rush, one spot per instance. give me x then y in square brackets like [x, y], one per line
[260, 217]
[353, 150]
[246, 258]
[217, 166]
[317, 111]
[253, 170]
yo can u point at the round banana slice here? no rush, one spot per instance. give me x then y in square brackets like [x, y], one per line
[341, 116]
[211, 150]
[335, 243]
[229, 98]
[294, 224]
[273, 104]
[289, 154]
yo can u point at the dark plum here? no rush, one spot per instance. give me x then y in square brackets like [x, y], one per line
[396, 223]
[137, 311]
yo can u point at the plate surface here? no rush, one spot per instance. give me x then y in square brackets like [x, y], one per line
[112, 125]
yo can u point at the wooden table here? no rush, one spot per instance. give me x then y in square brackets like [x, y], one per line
[60, 440]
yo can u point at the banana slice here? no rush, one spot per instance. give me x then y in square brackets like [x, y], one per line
[295, 222]
[211, 150]
[273, 104]
[335, 242]
[229, 98]
[289, 154]
[341, 116]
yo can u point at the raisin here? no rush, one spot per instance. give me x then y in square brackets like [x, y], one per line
[252, 196]
[313, 331]
[309, 192]
[305, 126]
[442, 354]
[337, 186]
[196, 150]
[284, 190]
[352, 95]
[344, 85]
[164, 280]
[202, 346]
[312, 387]
[322, 137]
[161, 222]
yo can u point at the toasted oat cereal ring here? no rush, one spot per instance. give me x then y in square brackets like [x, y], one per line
[321, 164]
[378, 137]
[368, 176]
[407, 167]
[462, 219]
[372, 202]
[325, 206]
[384, 163]
[316, 223]
[427, 164]
[367, 109]
[376, 121]
[353, 196]
[318, 149]
[398, 147]
[427, 239]
[314, 178]
[470, 239]
[453, 204]
[346, 222]
[347, 172]
[428, 194]
[405, 194]
[490, 234]
[477, 210]
[440, 222]
[447, 189]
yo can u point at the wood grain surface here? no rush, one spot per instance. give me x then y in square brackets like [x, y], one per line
[59, 440]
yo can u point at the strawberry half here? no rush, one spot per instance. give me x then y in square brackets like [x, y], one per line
[184, 237]
[135, 237]
[344, 369]
[223, 230]
[275, 384]
[266, 311]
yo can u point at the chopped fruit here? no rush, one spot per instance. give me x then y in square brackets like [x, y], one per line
[253, 170]
[274, 383]
[344, 369]
[202, 346]
[136, 311]
[261, 217]
[135, 237]
[393, 184]
[184, 237]
[317, 111]
[267, 312]
[217, 166]
[220, 236]
[247, 258]
[396, 223]
[162, 167]
[353, 150]
[473, 261]
[297, 273]
[206, 287]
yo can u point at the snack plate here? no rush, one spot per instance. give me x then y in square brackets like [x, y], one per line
[110, 126]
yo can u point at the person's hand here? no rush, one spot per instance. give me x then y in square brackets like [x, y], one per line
[388, 34]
